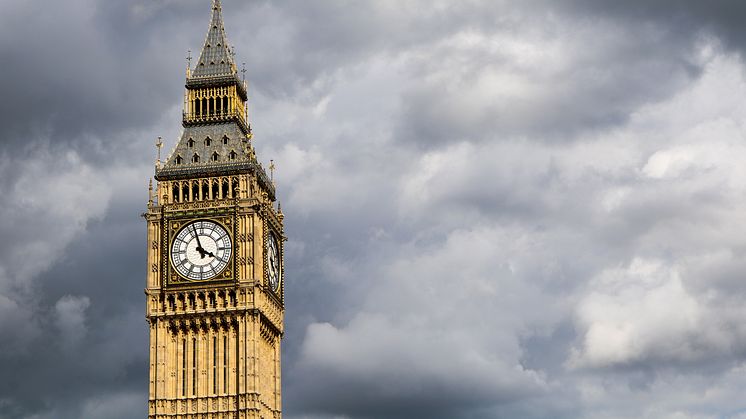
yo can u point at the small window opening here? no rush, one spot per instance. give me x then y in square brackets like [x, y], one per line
[232, 155]
[179, 160]
[195, 158]
[225, 364]
[183, 366]
[214, 365]
[208, 141]
[215, 156]
[194, 367]
[190, 143]
[225, 140]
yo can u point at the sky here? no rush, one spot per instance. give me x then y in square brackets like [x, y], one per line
[495, 209]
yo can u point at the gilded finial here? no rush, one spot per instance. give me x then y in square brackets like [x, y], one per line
[189, 63]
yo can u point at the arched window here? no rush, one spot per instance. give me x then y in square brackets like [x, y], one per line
[205, 190]
[208, 141]
[232, 155]
[225, 140]
[175, 193]
[195, 158]
[190, 143]
[215, 156]
[179, 160]
[215, 191]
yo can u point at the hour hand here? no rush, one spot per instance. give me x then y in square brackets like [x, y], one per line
[204, 252]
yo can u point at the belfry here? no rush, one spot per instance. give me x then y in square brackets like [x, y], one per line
[215, 285]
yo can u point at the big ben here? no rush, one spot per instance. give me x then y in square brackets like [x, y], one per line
[215, 286]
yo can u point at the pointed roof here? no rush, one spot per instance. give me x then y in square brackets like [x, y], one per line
[216, 58]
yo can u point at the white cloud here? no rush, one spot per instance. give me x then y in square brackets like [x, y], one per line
[632, 235]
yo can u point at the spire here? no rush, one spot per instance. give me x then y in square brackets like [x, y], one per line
[216, 58]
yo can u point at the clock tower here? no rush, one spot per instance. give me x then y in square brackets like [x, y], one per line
[215, 286]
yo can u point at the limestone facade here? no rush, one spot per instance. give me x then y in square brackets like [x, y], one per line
[214, 340]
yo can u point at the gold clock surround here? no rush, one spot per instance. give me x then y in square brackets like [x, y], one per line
[173, 278]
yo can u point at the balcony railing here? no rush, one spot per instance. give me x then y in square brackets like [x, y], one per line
[217, 115]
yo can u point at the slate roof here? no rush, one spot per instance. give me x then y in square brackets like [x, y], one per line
[180, 164]
[193, 142]
[216, 58]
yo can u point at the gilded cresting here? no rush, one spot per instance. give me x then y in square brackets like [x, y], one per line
[215, 285]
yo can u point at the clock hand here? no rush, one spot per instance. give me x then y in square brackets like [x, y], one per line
[199, 244]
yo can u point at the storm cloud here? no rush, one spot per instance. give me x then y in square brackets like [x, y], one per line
[496, 209]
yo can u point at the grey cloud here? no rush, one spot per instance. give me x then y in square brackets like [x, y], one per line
[459, 179]
[69, 315]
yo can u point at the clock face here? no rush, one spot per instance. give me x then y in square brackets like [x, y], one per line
[273, 263]
[201, 250]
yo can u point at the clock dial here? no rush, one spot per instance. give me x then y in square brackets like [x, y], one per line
[273, 263]
[201, 250]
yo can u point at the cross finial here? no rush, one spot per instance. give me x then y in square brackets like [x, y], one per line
[189, 58]
[159, 145]
[243, 71]
[272, 170]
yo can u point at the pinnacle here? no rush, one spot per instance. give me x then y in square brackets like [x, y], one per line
[216, 58]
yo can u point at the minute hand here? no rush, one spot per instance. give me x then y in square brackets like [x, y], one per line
[199, 244]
